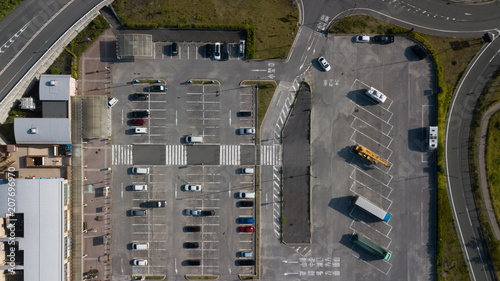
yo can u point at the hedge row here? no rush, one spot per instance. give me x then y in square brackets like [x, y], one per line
[250, 31]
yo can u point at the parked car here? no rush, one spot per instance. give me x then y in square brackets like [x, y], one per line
[245, 195]
[138, 213]
[217, 51]
[174, 49]
[190, 187]
[246, 131]
[322, 61]
[363, 39]
[244, 114]
[209, 50]
[193, 262]
[242, 47]
[246, 170]
[157, 88]
[383, 39]
[245, 204]
[139, 262]
[247, 229]
[112, 102]
[246, 254]
[246, 220]
[199, 213]
[192, 228]
[376, 95]
[139, 187]
[140, 97]
[158, 204]
[225, 51]
[141, 113]
[138, 122]
[246, 262]
[419, 51]
[191, 245]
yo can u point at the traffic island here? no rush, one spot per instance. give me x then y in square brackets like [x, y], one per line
[295, 220]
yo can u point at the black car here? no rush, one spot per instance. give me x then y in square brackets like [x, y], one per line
[192, 228]
[246, 262]
[419, 51]
[246, 203]
[383, 39]
[158, 204]
[244, 114]
[225, 51]
[143, 113]
[157, 88]
[193, 262]
[209, 50]
[139, 96]
[207, 213]
[174, 49]
[191, 245]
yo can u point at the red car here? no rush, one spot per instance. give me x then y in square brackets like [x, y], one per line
[247, 229]
[138, 122]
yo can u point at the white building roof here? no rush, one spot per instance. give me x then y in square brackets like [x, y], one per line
[42, 202]
[42, 130]
[55, 87]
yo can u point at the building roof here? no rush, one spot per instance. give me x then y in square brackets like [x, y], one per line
[55, 109]
[42, 203]
[42, 130]
[134, 45]
[55, 87]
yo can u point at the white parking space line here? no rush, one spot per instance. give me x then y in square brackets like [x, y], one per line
[211, 224]
[246, 241]
[214, 241]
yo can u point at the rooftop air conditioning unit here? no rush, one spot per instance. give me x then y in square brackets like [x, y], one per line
[52, 82]
[33, 131]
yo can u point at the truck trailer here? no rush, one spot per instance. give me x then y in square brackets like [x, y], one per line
[371, 208]
[370, 247]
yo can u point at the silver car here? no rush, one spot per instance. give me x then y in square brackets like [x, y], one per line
[246, 131]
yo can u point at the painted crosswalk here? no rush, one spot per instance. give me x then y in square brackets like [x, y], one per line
[176, 155]
[270, 154]
[229, 155]
[122, 154]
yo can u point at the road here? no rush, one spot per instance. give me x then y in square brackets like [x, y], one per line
[21, 49]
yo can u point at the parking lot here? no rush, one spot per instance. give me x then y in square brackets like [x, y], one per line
[211, 111]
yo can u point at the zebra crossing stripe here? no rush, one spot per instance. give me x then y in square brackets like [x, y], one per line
[175, 155]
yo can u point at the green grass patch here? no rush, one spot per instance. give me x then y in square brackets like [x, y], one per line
[265, 93]
[271, 25]
[67, 62]
[150, 81]
[8, 5]
[454, 56]
[204, 82]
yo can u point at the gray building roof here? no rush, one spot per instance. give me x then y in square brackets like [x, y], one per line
[42, 130]
[55, 109]
[42, 203]
[55, 87]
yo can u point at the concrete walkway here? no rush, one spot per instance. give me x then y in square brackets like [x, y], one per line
[482, 169]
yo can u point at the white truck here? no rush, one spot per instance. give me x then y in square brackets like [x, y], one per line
[376, 95]
[371, 208]
[433, 137]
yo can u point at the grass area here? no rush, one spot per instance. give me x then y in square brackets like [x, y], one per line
[274, 21]
[265, 93]
[67, 62]
[452, 55]
[8, 5]
[150, 81]
[210, 82]
[194, 277]
[493, 161]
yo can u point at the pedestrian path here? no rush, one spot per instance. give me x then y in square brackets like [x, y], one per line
[270, 154]
[230, 155]
[122, 154]
[176, 154]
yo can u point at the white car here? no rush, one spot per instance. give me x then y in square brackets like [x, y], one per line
[376, 95]
[194, 213]
[140, 262]
[246, 131]
[363, 39]
[322, 61]
[189, 187]
[217, 51]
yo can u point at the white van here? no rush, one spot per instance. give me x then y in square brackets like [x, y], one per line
[193, 139]
[112, 102]
[139, 187]
[246, 195]
[246, 170]
[140, 246]
[141, 130]
[140, 171]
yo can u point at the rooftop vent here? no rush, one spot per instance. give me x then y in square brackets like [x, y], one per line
[52, 82]
[34, 130]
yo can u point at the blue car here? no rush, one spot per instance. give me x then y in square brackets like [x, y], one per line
[246, 220]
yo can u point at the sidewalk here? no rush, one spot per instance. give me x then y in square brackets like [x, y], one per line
[94, 78]
[482, 169]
